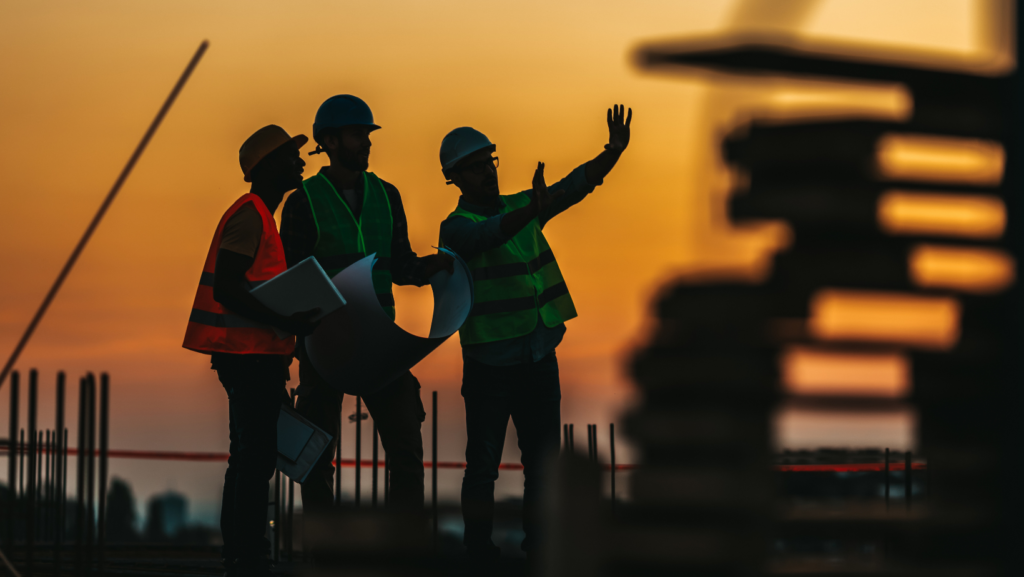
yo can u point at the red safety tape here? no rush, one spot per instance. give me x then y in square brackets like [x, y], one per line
[193, 456]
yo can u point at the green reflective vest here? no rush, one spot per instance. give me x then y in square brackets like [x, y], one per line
[515, 282]
[343, 240]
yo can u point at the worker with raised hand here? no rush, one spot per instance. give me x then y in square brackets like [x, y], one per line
[236, 330]
[341, 215]
[521, 305]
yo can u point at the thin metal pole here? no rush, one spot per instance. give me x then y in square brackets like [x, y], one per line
[596, 458]
[387, 478]
[433, 466]
[80, 480]
[104, 449]
[359, 447]
[908, 479]
[103, 209]
[59, 474]
[90, 479]
[14, 453]
[887, 479]
[373, 473]
[22, 452]
[33, 448]
[44, 522]
[572, 445]
[289, 537]
[40, 483]
[337, 460]
[565, 437]
[611, 446]
[277, 516]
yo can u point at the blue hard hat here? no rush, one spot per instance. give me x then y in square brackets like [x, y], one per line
[460, 143]
[342, 110]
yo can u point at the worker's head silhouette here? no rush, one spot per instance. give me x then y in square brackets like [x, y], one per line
[467, 162]
[270, 160]
[342, 129]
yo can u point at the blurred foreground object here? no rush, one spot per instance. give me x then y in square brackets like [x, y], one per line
[905, 244]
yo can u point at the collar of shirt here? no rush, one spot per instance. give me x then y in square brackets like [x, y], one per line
[482, 210]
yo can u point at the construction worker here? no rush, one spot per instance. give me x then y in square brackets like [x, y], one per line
[340, 215]
[521, 305]
[236, 330]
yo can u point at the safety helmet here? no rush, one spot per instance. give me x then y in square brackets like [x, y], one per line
[460, 143]
[342, 110]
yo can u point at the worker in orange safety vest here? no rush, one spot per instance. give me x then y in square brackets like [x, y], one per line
[237, 331]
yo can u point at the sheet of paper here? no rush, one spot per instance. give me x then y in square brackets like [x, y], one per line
[358, 349]
[299, 444]
[303, 287]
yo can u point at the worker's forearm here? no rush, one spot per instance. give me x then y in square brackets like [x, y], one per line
[602, 164]
[240, 302]
[515, 221]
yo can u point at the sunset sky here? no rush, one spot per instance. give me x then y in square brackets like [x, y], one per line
[81, 81]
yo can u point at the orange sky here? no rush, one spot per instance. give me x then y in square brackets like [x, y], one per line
[81, 82]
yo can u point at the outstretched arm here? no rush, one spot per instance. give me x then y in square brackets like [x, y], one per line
[618, 139]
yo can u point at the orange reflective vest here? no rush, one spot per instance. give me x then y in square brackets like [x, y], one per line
[214, 329]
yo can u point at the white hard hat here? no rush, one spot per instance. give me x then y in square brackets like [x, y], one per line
[460, 143]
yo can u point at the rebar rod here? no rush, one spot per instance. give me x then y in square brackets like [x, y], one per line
[433, 466]
[60, 474]
[373, 471]
[908, 479]
[30, 513]
[12, 460]
[359, 448]
[104, 448]
[80, 481]
[611, 447]
[90, 473]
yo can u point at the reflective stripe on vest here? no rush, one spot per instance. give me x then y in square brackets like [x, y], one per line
[514, 283]
[214, 329]
[342, 239]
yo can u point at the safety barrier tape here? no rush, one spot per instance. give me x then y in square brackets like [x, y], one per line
[199, 457]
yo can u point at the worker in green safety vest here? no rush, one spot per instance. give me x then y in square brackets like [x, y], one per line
[521, 304]
[341, 215]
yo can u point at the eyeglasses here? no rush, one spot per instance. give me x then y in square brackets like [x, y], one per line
[480, 166]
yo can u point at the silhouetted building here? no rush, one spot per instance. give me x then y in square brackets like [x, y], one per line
[121, 512]
[166, 516]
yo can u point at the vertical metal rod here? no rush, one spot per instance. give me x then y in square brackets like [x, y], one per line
[44, 524]
[40, 483]
[886, 479]
[565, 437]
[33, 448]
[387, 478]
[80, 480]
[433, 466]
[908, 479]
[572, 446]
[596, 458]
[373, 472]
[22, 451]
[60, 474]
[290, 536]
[64, 487]
[14, 453]
[90, 473]
[611, 446]
[275, 554]
[359, 448]
[104, 449]
[337, 460]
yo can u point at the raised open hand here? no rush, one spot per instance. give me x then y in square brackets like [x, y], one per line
[618, 128]
[541, 197]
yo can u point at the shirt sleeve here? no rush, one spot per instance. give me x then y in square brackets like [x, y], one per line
[576, 188]
[469, 239]
[298, 229]
[243, 231]
[406, 267]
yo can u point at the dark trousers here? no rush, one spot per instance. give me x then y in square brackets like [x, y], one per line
[256, 389]
[398, 412]
[531, 395]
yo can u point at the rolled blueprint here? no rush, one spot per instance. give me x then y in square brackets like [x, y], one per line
[358, 349]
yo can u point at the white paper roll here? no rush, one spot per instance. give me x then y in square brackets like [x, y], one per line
[358, 349]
